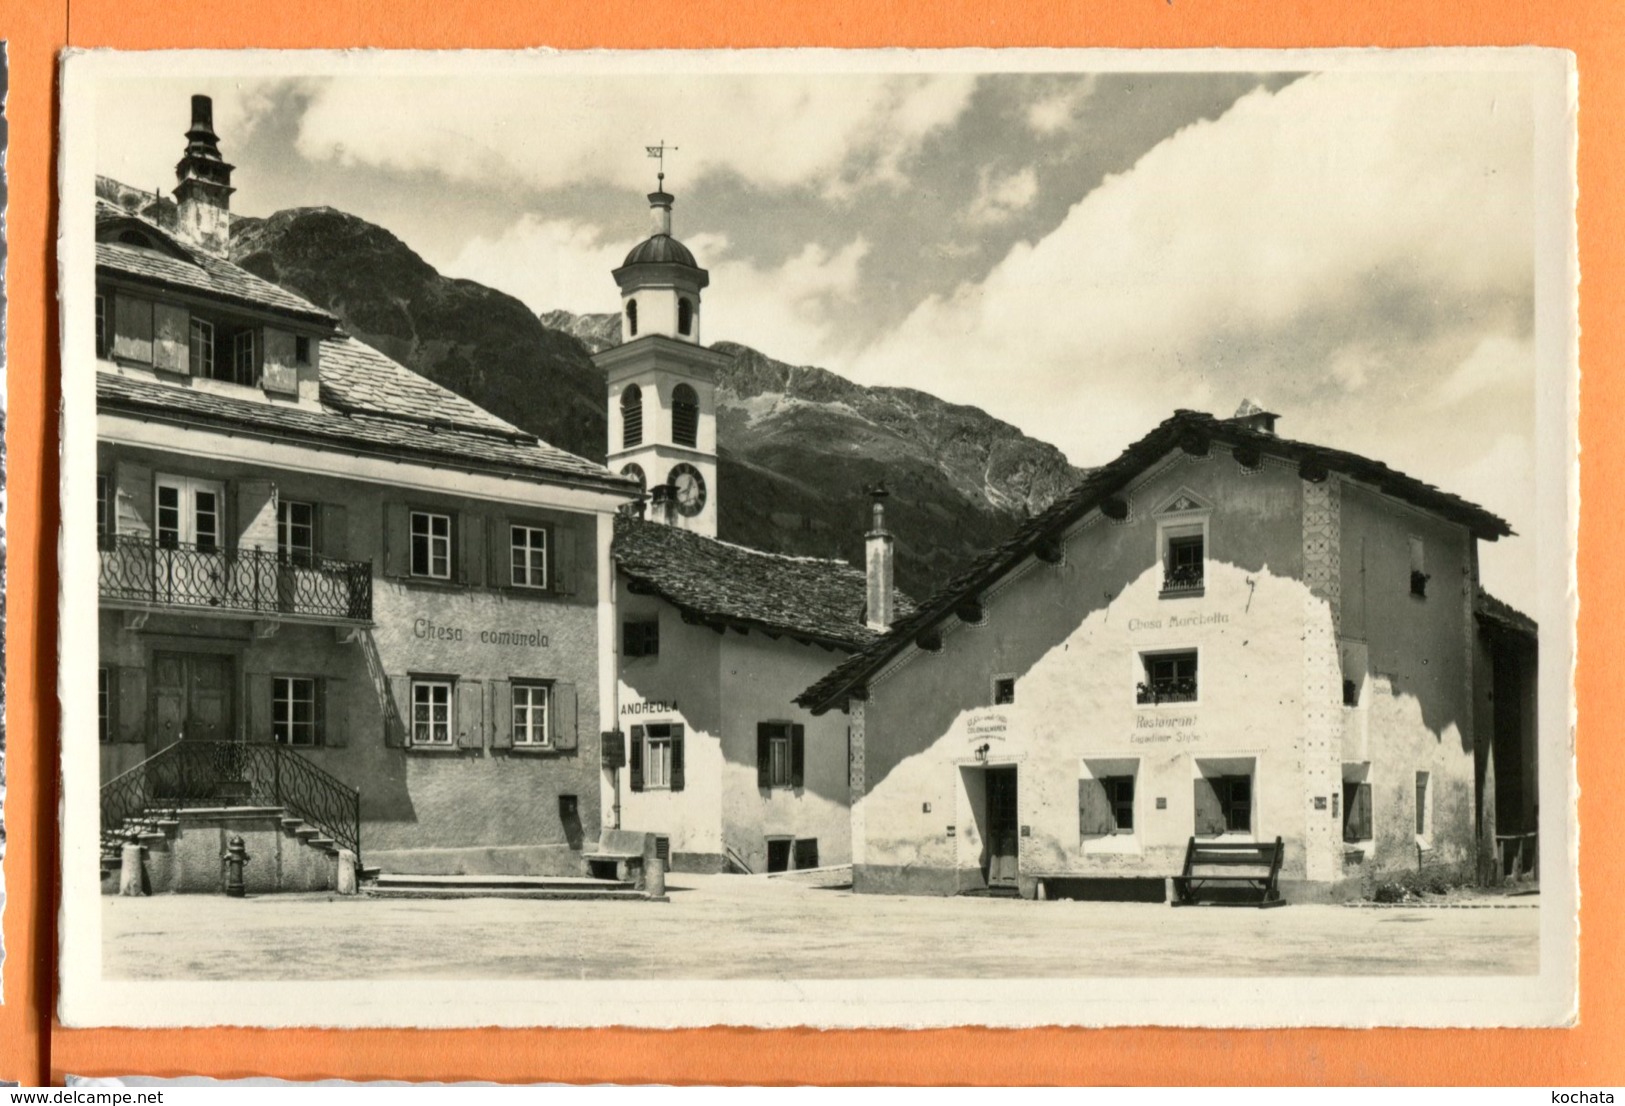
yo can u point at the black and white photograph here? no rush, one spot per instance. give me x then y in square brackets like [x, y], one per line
[589, 539]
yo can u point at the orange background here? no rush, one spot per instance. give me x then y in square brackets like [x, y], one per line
[34, 1050]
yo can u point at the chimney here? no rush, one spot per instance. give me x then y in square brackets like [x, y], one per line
[203, 192]
[878, 556]
[1254, 417]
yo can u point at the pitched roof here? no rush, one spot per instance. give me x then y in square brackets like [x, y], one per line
[721, 584]
[1193, 430]
[1496, 615]
[194, 270]
[352, 418]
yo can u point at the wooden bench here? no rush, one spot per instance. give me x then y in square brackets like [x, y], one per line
[1201, 857]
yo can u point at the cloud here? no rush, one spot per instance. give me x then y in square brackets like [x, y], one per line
[1001, 198]
[835, 131]
[1056, 111]
[789, 310]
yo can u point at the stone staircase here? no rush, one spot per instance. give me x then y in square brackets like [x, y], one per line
[181, 851]
[392, 885]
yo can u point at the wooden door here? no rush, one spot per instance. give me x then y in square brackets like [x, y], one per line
[192, 697]
[1003, 827]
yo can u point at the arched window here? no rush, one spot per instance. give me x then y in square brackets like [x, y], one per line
[631, 417]
[631, 318]
[685, 415]
[685, 316]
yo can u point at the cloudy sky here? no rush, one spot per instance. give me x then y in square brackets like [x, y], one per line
[1075, 253]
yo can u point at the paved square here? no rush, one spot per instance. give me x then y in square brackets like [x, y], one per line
[742, 927]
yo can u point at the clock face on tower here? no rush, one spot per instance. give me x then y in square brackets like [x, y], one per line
[688, 488]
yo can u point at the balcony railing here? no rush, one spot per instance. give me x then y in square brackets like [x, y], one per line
[191, 774]
[1172, 690]
[1183, 578]
[147, 572]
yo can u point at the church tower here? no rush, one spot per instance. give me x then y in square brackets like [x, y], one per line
[662, 382]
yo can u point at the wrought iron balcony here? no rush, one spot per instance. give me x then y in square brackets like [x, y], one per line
[1182, 579]
[1180, 689]
[144, 572]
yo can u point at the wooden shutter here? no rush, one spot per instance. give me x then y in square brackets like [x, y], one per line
[132, 328]
[470, 718]
[636, 758]
[131, 710]
[1362, 804]
[397, 540]
[1095, 817]
[329, 725]
[171, 338]
[470, 549]
[798, 754]
[398, 711]
[501, 714]
[1209, 812]
[499, 552]
[764, 754]
[676, 756]
[256, 508]
[562, 559]
[564, 715]
[259, 708]
[132, 499]
[333, 530]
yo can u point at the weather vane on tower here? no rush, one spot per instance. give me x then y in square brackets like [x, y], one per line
[660, 152]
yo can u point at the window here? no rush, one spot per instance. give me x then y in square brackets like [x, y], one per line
[631, 416]
[780, 754]
[431, 712]
[806, 853]
[189, 513]
[296, 532]
[1357, 823]
[631, 318]
[1424, 804]
[1169, 678]
[530, 729]
[529, 547]
[103, 731]
[301, 349]
[657, 757]
[1004, 690]
[431, 545]
[1224, 798]
[101, 326]
[1351, 693]
[295, 710]
[1106, 799]
[1182, 565]
[685, 415]
[685, 316]
[640, 638]
[1419, 576]
[245, 363]
[200, 348]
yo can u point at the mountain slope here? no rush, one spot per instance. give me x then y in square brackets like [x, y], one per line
[797, 444]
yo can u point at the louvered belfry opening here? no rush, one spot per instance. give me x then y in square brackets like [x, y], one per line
[685, 416]
[631, 417]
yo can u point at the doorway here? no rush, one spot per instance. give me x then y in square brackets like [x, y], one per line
[192, 697]
[1003, 828]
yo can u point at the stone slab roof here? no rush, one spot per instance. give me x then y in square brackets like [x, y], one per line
[1496, 615]
[727, 586]
[194, 270]
[1190, 430]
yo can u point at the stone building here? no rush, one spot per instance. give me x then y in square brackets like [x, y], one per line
[327, 584]
[1222, 633]
[717, 639]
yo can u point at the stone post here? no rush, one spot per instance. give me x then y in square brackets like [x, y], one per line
[654, 882]
[346, 880]
[130, 880]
